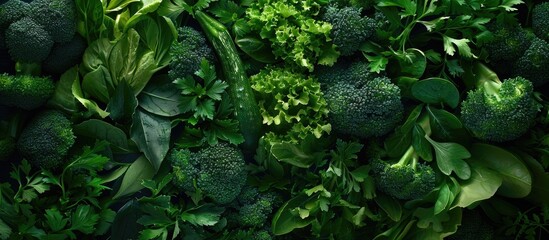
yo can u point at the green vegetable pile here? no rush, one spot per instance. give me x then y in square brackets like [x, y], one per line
[274, 119]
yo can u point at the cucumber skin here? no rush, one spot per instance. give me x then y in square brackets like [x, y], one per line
[240, 90]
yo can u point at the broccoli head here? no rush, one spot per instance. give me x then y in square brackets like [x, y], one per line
[217, 171]
[499, 111]
[65, 55]
[187, 53]
[254, 207]
[7, 147]
[11, 11]
[406, 179]
[349, 28]
[58, 17]
[46, 139]
[508, 43]
[26, 92]
[28, 41]
[361, 103]
[540, 20]
[532, 65]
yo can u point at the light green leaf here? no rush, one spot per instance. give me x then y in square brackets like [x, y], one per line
[517, 180]
[204, 215]
[449, 157]
[55, 220]
[84, 219]
[461, 44]
[101, 130]
[90, 105]
[482, 185]
[5, 230]
[284, 221]
[139, 170]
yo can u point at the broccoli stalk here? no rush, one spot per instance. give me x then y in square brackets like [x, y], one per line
[407, 179]
[498, 111]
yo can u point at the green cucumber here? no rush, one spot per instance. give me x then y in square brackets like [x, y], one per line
[240, 89]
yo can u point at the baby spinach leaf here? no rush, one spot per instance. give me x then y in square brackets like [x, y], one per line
[151, 133]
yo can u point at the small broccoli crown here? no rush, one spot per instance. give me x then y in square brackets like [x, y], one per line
[500, 112]
[262, 235]
[65, 55]
[361, 104]
[533, 63]
[255, 207]
[218, 171]
[405, 181]
[187, 52]
[473, 227]
[509, 41]
[7, 147]
[540, 20]
[349, 28]
[58, 17]
[27, 41]
[46, 139]
[26, 92]
[11, 11]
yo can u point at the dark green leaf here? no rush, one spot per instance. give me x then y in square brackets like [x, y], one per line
[151, 133]
[412, 63]
[442, 122]
[436, 91]
[161, 97]
[390, 205]
[125, 225]
[122, 104]
[55, 220]
[101, 130]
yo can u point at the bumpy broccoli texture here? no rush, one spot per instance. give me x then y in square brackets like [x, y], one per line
[532, 65]
[187, 53]
[499, 111]
[11, 11]
[361, 103]
[254, 207]
[28, 41]
[64, 55]
[46, 139]
[349, 28]
[473, 227]
[509, 41]
[26, 92]
[540, 20]
[406, 179]
[58, 17]
[218, 171]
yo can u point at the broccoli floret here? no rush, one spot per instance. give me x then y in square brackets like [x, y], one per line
[187, 53]
[540, 20]
[407, 179]
[58, 17]
[65, 55]
[473, 227]
[27, 41]
[217, 171]
[11, 11]
[498, 111]
[254, 207]
[46, 139]
[349, 28]
[26, 92]
[7, 147]
[361, 103]
[508, 43]
[533, 63]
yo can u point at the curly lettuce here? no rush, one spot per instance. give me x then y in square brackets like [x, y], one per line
[291, 104]
[295, 35]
